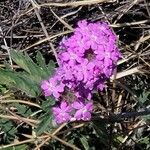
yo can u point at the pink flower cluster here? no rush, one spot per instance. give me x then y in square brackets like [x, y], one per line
[87, 60]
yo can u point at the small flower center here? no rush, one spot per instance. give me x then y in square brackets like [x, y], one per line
[72, 56]
[84, 110]
[89, 54]
[50, 86]
[68, 95]
[107, 54]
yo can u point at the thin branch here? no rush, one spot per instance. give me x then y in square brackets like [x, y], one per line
[54, 133]
[69, 4]
[126, 10]
[46, 39]
[21, 36]
[44, 29]
[120, 117]
[77, 3]
[126, 73]
[61, 20]
[17, 143]
[20, 101]
[7, 48]
[118, 25]
[17, 118]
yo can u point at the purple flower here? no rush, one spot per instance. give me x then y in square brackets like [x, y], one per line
[75, 43]
[82, 92]
[83, 111]
[62, 112]
[82, 28]
[82, 71]
[51, 87]
[71, 57]
[87, 59]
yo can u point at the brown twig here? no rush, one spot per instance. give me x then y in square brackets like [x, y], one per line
[20, 101]
[112, 118]
[44, 29]
[46, 39]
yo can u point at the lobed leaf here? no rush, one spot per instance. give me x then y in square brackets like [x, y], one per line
[45, 123]
[28, 80]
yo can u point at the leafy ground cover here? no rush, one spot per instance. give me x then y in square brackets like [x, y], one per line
[30, 33]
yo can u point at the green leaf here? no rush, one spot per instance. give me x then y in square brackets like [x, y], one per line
[22, 147]
[23, 110]
[145, 141]
[119, 138]
[8, 128]
[21, 60]
[47, 69]
[19, 147]
[2, 89]
[84, 142]
[35, 72]
[7, 65]
[28, 80]
[7, 77]
[48, 103]
[40, 59]
[29, 86]
[144, 97]
[51, 67]
[146, 118]
[20, 82]
[26, 63]
[101, 131]
[44, 124]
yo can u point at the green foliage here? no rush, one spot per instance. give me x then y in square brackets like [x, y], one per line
[23, 110]
[19, 147]
[46, 118]
[15, 80]
[84, 142]
[144, 97]
[144, 101]
[45, 124]
[145, 141]
[2, 89]
[146, 118]
[40, 60]
[8, 128]
[29, 79]
[48, 103]
[101, 132]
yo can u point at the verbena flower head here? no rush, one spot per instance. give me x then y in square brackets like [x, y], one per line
[78, 110]
[61, 112]
[52, 87]
[91, 51]
[87, 59]
[83, 111]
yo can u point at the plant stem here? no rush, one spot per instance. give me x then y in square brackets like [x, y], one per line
[120, 117]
